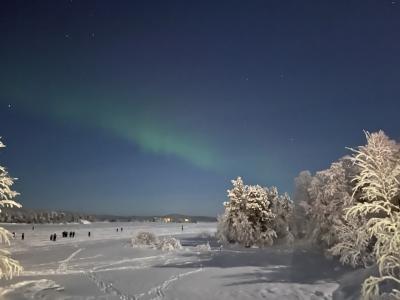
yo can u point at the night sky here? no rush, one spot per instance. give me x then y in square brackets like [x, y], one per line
[152, 107]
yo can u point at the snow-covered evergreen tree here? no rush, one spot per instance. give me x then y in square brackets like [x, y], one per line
[8, 266]
[254, 215]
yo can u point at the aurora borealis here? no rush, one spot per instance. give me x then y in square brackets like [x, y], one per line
[152, 107]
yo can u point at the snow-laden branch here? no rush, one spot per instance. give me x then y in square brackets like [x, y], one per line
[8, 266]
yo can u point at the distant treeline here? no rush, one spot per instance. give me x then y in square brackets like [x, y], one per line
[11, 215]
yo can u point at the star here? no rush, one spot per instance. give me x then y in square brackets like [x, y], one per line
[9, 105]
[67, 35]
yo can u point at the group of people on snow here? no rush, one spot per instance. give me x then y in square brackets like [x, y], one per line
[71, 234]
[65, 234]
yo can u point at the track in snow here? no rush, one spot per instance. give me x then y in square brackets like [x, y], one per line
[63, 263]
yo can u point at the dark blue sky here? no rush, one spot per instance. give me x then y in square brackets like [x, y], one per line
[151, 107]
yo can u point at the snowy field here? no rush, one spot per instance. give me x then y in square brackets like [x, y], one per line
[105, 266]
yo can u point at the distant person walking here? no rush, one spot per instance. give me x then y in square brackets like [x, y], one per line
[117, 229]
[14, 235]
[33, 227]
[51, 237]
[89, 234]
[73, 234]
[54, 237]
[23, 236]
[122, 229]
[182, 227]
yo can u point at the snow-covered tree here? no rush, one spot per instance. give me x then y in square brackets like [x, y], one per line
[8, 266]
[377, 200]
[320, 203]
[353, 246]
[254, 215]
[282, 207]
[300, 221]
[329, 192]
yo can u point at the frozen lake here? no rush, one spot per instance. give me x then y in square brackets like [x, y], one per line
[105, 266]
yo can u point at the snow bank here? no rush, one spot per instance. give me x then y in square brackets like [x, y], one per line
[29, 288]
[84, 222]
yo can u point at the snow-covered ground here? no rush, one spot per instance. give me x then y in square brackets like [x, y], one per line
[105, 266]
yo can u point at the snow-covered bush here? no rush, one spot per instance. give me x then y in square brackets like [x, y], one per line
[377, 201]
[149, 240]
[254, 215]
[169, 244]
[203, 247]
[143, 239]
[8, 266]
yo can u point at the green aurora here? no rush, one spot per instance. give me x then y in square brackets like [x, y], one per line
[145, 128]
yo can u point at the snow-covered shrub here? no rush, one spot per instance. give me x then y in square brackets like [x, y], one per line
[8, 266]
[377, 194]
[254, 215]
[149, 240]
[203, 247]
[144, 239]
[169, 244]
